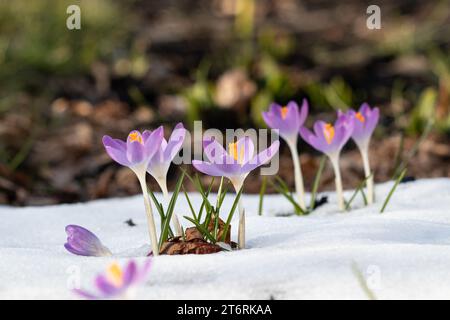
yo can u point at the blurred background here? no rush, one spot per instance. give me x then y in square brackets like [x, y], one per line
[139, 64]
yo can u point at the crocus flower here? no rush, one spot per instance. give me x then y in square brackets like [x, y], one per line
[136, 153]
[117, 283]
[330, 139]
[83, 242]
[160, 163]
[234, 164]
[365, 121]
[288, 120]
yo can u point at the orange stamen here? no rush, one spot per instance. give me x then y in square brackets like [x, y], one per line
[115, 274]
[360, 117]
[328, 132]
[134, 136]
[284, 111]
[233, 151]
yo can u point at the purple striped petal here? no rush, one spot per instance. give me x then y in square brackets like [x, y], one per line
[153, 143]
[116, 149]
[175, 142]
[135, 152]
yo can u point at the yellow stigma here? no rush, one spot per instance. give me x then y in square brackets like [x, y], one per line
[328, 132]
[114, 274]
[134, 136]
[360, 117]
[284, 112]
[233, 151]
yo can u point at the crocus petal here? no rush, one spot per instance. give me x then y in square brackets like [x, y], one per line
[81, 241]
[85, 294]
[287, 121]
[343, 129]
[303, 112]
[175, 142]
[135, 152]
[207, 168]
[215, 152]
[116, 149]
[130, 274]
[372, 121]
[261, 158]
[105, 287]
[145, 135]
[245, 149]
[114, 143]
[153, 143]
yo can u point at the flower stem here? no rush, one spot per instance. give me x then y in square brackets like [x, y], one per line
[338, 181]
[368, 174]
[241, 231]
[299, 188]
[176, 223]
[150, 219]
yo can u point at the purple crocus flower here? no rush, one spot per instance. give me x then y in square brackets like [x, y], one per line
[234, 164]
[288, 120]
[160, 163]
[364, 123]
[117, 283]
[330, 139]
[83, 242]
[136, 153]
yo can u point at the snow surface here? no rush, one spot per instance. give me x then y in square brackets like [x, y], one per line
[403, 253]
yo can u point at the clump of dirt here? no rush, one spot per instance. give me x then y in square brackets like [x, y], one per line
[194, 242]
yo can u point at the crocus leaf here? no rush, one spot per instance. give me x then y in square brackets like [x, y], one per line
[170, 208]
[316, 182]
[400, 177]
[202, 229]
[230, 215]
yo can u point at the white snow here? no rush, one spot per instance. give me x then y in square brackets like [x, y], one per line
[403, 253]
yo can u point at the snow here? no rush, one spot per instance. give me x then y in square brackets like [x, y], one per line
[403, 253]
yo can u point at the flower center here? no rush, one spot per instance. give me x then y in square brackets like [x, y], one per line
[328, 132]
[284, 111]
[360, 117]
[135, 136]
[115, 274]
[233, 151]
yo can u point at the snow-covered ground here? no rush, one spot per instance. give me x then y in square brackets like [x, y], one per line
[404, 253]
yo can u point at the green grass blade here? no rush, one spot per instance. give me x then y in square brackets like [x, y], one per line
[282, 184]
[414, 149]
[288, 196]
[400, 177]
[224, 193]
[362, 282]
[190, 205]
[202, 229]
[359, 188]
[170, 209]
[230, 215]
[312, 203]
